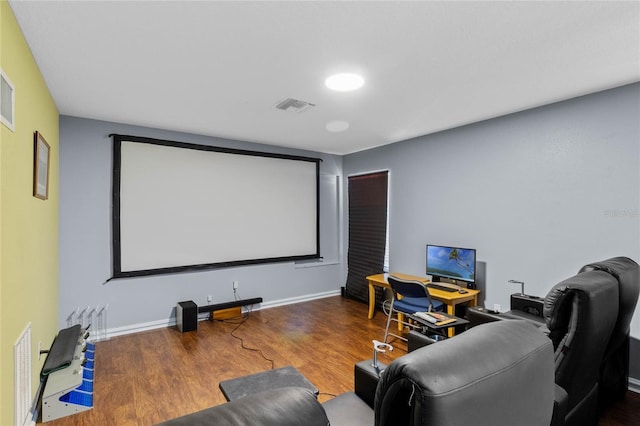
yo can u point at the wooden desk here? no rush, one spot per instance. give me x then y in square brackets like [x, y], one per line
[450, 299]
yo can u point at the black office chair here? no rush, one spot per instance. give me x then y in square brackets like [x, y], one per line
[409, 297]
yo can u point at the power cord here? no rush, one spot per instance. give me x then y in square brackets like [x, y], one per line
[244, 318]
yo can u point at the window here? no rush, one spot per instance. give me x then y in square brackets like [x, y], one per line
[367, 231]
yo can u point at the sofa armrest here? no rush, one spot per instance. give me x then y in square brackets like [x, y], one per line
[277, 407]
[416, 340]
[366, 379]
[560, 402]
[479, 315]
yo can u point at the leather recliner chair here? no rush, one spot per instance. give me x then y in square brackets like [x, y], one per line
[614, 371]
[579, 315]
[497, 373]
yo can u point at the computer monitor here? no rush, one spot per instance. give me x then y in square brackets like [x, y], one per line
[451, 264]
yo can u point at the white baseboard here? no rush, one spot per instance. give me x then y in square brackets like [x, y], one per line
[137, 328]
[634, 385]
[152, 325]
[298, 299]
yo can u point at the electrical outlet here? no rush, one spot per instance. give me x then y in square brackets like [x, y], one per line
[235, 285]
[496, 307]
[209, 298]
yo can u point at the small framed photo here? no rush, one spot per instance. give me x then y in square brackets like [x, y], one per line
[7, 102]
[41, 167]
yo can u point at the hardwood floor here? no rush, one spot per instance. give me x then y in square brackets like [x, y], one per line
[148, 377]
[623, 413]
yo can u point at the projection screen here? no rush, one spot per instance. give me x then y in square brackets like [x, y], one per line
[180, 207]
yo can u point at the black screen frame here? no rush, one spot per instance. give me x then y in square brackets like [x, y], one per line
[117, 271]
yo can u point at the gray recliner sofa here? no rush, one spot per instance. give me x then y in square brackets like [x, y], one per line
[496, 373]
[587, 318]
[614, 371]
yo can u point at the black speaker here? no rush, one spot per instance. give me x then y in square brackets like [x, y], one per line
[187, 316]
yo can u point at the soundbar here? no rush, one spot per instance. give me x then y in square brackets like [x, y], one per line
[227, 305]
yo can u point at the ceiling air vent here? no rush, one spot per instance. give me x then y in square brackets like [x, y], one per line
[295, 105]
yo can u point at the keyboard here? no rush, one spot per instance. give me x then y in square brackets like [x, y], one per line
[443, 287]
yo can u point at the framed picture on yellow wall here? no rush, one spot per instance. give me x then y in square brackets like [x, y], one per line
[7, 101]
[41, 167]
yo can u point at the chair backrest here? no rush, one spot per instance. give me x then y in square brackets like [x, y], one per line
[408, 288]
[580, 313]
[614, 372]
[627, 272]
[461, 380]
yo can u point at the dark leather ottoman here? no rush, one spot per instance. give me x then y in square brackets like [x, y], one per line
[277, 378]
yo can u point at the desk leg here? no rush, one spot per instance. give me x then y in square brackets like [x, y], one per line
[372, 300]
[451, 310]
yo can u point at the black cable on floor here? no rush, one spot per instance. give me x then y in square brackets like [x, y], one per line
[245, 317]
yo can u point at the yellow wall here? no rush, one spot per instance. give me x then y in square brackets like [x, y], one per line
[28, 225]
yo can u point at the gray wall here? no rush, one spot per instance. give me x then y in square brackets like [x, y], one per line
[146, 302]
[538, 193]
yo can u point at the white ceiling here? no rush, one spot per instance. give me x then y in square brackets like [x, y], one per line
[218, 68]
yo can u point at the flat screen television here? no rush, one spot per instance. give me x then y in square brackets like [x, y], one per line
[451, 264]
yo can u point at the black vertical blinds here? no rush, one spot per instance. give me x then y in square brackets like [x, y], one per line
[367, 231]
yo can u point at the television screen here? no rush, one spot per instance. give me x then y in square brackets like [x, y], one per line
[451, 262]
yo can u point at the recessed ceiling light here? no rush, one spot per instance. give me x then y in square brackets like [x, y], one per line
[337, 126]
[344, 82]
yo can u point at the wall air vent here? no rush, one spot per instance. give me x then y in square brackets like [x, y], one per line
[294, 105]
